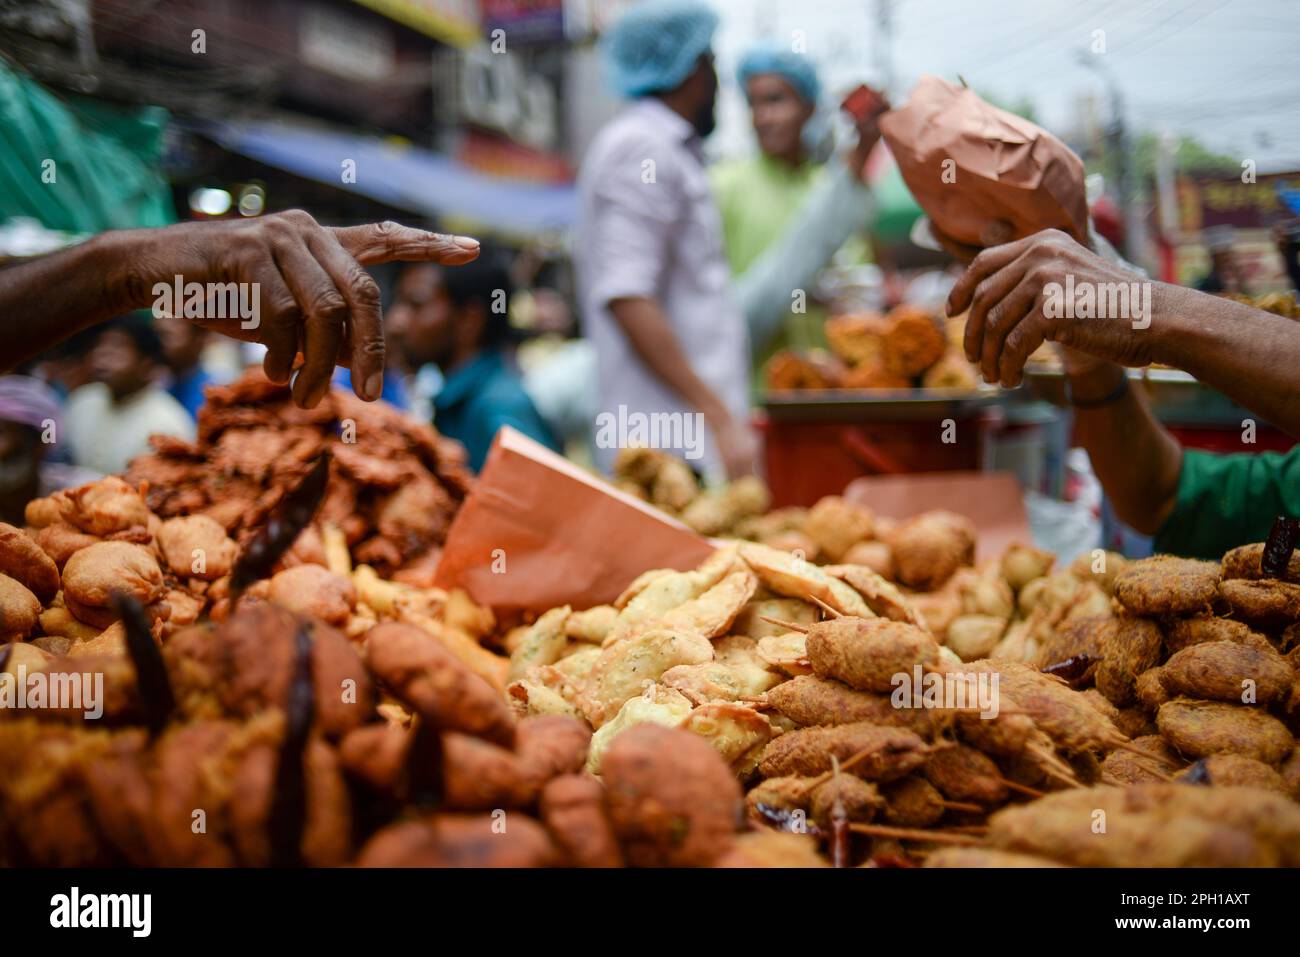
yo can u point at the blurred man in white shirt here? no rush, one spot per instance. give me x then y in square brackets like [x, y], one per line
[653, 279]
[110, 420]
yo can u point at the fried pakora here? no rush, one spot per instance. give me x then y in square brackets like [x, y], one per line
[196, 546]
[93, 575]
[24, 561]
[928, 548]
[1165, 585]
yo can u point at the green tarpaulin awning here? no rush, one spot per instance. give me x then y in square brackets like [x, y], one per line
[76, 164]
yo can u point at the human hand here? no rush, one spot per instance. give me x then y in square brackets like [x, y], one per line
[1016, 295]
[309, 292]
[737, 446]
[867, 123]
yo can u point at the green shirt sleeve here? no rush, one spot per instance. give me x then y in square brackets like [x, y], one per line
[1229, 500]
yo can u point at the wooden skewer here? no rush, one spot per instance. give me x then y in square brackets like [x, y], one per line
[915, 834]
[791, 625]
[1054, 766]
[844, 765]
[962, 806]
[968, 829]
[833, 612]
[1020, 788]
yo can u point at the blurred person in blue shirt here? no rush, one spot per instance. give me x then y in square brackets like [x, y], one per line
[457, 320]
[182, 353]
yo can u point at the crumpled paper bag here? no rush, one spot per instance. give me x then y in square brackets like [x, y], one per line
[1009, 177]
[537, 532]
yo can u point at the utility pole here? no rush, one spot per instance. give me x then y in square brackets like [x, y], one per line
[1117, 146]
[883, 42]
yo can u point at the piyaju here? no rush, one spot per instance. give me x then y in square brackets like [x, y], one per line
[933, 689]
[134, 911]
[61, 690]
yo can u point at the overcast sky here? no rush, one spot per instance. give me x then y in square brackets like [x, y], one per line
[1222, 70]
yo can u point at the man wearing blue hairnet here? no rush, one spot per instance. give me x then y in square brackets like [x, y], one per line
[653, 282]
[762, 197]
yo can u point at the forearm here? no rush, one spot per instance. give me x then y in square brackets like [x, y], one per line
[835, 207]
[48, 299]
[1135, 458]
[655, 343]
[1247, 354]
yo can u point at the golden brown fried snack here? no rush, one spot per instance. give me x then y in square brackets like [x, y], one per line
[94, 574]
[573, 809]
[196, 546]
[1134, 839]
[791, 371]
[314, 591]
[1129, 647]
[104, 507]
[1226, 671]
[913, 340]
[857, 337]
[859, 800]
[866, 653]
[890, 752]
[1201, 728]
[1065, 820]
[1075, 638]
[963, 774]
[247, 665]
[952, 371]
[913, 802]
[461, 840]
[772, 849]
[1265, 604]
[873, 555]
[423, 674]
[1235, 770]
[837, 525]
[810, 700]
[672, 800]
[982, 857]
[1290, 771]
[19, 610]
[1185, 632]
[874, 375]
[24, 561]
[928, 548]
[1244, 562]
[1122, 767]
[1149, 689]
[1164, 585]
[60, 541]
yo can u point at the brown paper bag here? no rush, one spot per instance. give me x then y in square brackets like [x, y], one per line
[537, 532]
[1004, 168]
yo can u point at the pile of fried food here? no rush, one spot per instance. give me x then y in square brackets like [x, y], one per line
[1137, 714]
[758, 710]
[668, 483]
[84, 545]
[907, 347]
[394, 486]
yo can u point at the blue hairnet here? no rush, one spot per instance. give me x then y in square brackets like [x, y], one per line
[775, 58]
[655, 45]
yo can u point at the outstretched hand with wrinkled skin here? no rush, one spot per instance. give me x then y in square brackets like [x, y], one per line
[314, 296]
[1005, 289]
